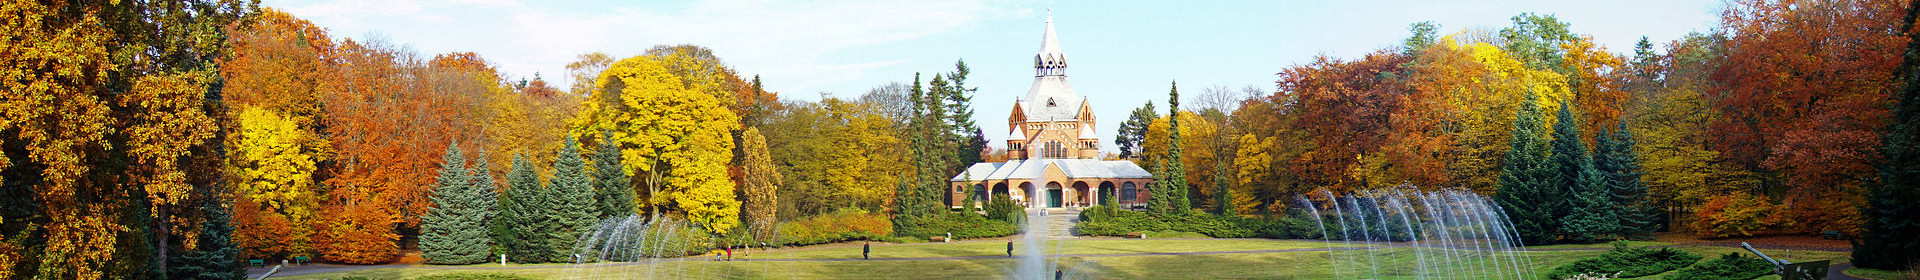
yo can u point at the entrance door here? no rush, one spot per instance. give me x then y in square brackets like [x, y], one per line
[1053, 198]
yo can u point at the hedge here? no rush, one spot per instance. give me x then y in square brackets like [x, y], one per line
[1109, 221]
[1625, 262]
[962, 225]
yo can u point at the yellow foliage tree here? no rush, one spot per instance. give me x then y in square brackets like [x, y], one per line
[1492, 90]
[674, 131]
[268, 164]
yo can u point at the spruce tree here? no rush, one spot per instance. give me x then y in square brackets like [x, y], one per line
[1887, 240]
[1159, 202]
[1586, 215]
[1527, 189]
[570, 196]
[611, 189]
[1176, 170]
[453, 230]
[1222, 198]
[527, 215]
[487, 201]
[216, 256]
[1614, 155]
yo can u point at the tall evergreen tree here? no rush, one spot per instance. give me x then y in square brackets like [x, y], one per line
[216, 256]
[570, 195]
[611, 184]
[488, 200]
[1527, 189]
[453, 230]
[1892, 221]
[527, 215]
[1585, 215]
[1176, 169]
[1133, 132]
[1159, 201]
[1620, 164]
[958, 99]
[1222, 199]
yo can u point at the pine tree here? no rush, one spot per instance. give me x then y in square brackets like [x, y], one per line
[1133, 132]
[570, 196]
[959, 101]
[1527, 180]
[611, 184]
[488, 201]
[1159, 202]
[1176, 170]
[527, 215]
[453, 230]
[1618, 162]
[1585, 215]
[1887, 240]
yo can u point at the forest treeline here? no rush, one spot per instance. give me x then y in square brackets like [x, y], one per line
[171, 139]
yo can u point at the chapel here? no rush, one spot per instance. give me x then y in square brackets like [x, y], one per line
[1053, 153]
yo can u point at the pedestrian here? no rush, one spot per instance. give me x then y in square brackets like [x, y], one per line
[729, 253]
[1009, 249]
[866, 251]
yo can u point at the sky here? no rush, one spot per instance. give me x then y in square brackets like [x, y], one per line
[1122, 53]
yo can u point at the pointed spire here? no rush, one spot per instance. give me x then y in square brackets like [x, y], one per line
[1050, 61]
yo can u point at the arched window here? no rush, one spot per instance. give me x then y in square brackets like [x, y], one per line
[1053, 149]
[979, 193]
[1129, 192]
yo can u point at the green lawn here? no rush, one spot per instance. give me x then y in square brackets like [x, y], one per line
[1312, 261]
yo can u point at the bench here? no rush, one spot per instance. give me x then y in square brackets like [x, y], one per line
[1833, 234]
[301, 260]
[938, 239]
[256, 262]
[1140, 235]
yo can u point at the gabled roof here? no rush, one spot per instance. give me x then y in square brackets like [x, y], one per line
[1035, 168]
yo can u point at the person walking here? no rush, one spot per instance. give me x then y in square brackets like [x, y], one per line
[866, 251]
[1009, 249]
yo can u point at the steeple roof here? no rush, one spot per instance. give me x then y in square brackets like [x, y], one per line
[1051, 97]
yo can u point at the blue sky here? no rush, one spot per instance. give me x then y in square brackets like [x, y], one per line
[1123, 53]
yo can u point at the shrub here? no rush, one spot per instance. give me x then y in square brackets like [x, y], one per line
[842, 225]
[1003, 209]
[1731, 266]
[962, 225]
[1110, 221]
[1625, 262]
[1738, 214]
[474, 276]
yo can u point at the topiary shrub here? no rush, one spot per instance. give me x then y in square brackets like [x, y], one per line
[1731, 266]
[1625, 262]
[961, 225]
[842, 225]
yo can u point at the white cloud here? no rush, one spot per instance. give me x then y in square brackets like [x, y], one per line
[791, 40]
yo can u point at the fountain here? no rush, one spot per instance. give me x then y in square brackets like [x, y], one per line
[1450, 235]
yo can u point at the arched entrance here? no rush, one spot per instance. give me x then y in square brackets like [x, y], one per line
[979, 193]
[1026, 195]
[1082, 194]
[1105, 194]
[1129, 193]
[998, 189]
[1054, 194]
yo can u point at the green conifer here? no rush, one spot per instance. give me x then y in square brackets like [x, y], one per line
[570, 195]
[1892, 221]
[611, 189]
[1614, 155]
[1586, 215]
[1526, 179]
[453, 230]
[527, 215]
[1176, 170]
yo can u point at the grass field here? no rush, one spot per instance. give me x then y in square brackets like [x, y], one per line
[1086, 258]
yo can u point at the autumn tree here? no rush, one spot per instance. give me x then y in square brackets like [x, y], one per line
[839, 153]
[762, 185]
[668, 112]
[269, 166]
[1803, 88]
